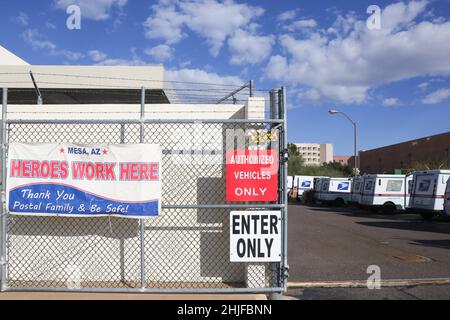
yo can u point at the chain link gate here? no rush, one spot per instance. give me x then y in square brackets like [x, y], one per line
[185, 249]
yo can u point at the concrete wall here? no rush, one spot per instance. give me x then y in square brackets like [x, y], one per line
[84, 77]
[183, 246]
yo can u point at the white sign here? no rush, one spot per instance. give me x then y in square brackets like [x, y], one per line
[255, 236]
[84, 180]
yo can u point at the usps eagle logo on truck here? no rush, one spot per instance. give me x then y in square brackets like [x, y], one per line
[84, 180]
[306, 184]
[343, 186]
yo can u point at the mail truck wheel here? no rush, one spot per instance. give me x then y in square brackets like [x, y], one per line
[388, 208]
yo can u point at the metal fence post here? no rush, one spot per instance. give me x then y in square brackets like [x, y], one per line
[278, 111]
[141, 221]
[122, 240]
[3, 210]
[285, 195]
[283, 274]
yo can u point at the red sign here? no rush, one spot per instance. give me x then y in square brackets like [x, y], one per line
[252, 175]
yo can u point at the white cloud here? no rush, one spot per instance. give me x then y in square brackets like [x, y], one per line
[437, 96]
[195, 81]
[210, 19]
[202, 76]
[343, 64]
[390, 102]
[93, 9]
[161, 52]
[301, 24]
[97, 56]
[70, 55]
[343, 24]
[184, 64]
[310, 95]
[248, 48]
[423, 85]
[22, 19]
[122, 62]
[398, 15]
[50, 25]
[165, 23]
[287, 15]
[135, 60]
[38, 42]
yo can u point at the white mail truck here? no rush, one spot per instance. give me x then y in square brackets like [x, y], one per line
[388, 192]
[428, 192]
[335, 191]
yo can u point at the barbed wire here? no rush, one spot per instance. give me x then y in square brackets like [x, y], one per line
[182, 92]
[121, 78]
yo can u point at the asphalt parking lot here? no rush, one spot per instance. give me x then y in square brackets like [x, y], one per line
[335, 246]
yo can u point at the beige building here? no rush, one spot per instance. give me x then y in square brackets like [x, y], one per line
[315, 153]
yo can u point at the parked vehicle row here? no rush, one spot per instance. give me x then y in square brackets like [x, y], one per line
[301, 183]
[424, 192]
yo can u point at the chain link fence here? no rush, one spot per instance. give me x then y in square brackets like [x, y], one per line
[185, 248]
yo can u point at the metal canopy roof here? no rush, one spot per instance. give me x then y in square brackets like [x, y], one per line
[86, 96]
[84, 84]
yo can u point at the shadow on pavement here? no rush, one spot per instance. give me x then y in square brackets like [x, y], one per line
[386, 293]
[408, 225]
[365, 213]
[358, 212]
[442, 244]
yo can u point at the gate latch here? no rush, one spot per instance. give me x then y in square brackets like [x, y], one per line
[284, 155]
[284, 272]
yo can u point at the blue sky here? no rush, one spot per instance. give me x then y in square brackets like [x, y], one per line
[393, 81]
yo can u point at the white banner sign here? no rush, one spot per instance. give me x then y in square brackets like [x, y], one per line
[84, 180]
[255, 236]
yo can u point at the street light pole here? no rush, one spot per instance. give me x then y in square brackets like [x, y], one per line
[355, 134]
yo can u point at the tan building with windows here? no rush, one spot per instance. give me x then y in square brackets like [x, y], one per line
[315, 153]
